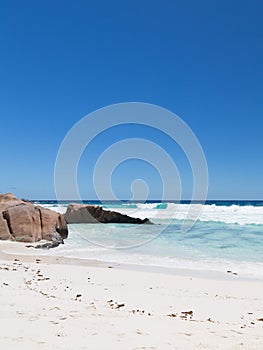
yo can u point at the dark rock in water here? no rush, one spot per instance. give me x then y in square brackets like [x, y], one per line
[22, 221]
[46, 245]
[91, 214]
[55, 239]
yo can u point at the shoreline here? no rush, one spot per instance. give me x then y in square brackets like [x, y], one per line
[19, 250]
[55, 302]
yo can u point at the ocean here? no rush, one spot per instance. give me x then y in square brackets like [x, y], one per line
[228, 236]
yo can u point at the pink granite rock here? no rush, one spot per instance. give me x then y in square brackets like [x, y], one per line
[21, 220]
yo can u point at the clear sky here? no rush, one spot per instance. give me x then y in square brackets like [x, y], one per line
[61, 60]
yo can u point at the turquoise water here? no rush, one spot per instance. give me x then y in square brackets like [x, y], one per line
[225, 237]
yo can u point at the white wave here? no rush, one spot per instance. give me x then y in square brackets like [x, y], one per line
[55, 207]
[233, 214]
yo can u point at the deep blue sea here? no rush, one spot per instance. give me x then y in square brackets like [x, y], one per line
[228, 235]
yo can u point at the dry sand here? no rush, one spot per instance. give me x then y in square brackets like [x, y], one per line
[58, 303]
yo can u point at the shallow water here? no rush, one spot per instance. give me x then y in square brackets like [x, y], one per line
[227, 236]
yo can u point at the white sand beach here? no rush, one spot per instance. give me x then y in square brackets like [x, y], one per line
[58, 303]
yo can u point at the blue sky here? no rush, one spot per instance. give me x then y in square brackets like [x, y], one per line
[61, 60]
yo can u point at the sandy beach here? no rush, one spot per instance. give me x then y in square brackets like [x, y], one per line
[58, 303]
[131, 183]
